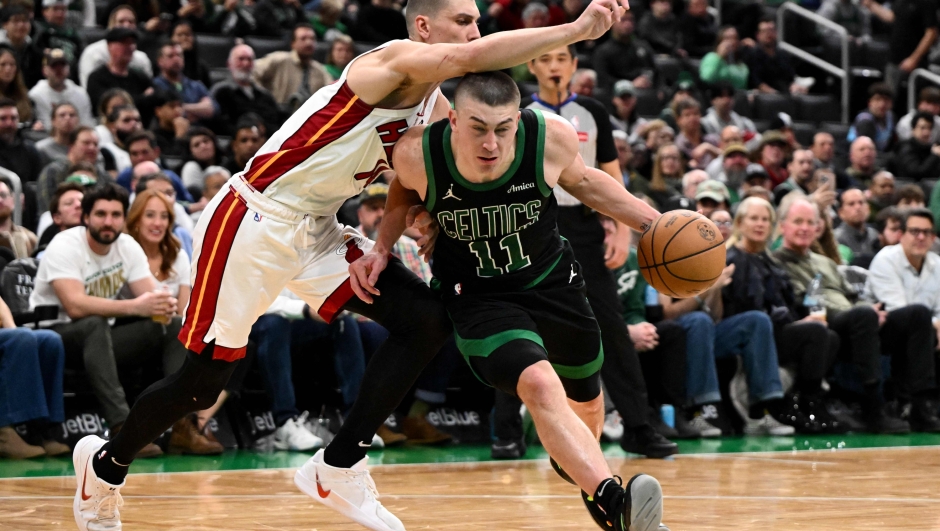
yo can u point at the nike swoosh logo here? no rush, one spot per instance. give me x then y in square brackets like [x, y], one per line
[86, 497]
[320, 491]
[364, 445]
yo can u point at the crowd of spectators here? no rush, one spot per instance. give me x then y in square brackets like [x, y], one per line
[114, 138]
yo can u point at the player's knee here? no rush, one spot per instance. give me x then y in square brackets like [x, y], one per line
[539, 386]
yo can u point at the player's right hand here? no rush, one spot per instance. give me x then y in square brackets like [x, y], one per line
[364, 273]
[599, 16]
[419, 219]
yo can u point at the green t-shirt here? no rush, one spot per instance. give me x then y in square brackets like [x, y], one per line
[631, 288]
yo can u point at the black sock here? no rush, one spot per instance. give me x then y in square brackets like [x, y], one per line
[609, 497]
[873, 401]
[107, 468]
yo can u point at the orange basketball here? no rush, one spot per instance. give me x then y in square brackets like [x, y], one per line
[682, 254]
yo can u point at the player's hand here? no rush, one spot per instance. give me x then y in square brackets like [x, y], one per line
[599, 16]
[364, 273]
[420, 219]
[617, 248]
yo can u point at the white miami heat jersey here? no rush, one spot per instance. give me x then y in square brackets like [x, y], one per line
[330, 149]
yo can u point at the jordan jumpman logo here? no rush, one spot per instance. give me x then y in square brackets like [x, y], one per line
[573, 274]
[450, 194]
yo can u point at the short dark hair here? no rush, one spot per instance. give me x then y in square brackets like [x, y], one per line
[142, 182]
[301, 25]
[143, 134]
[116, 111]
[921, 115]
[105, 192]
[83, 165]
[11, 11]
[722, 89]
[767, 19]
[886, 215]
[911, 192]
[490, 88]
[916, 213]
[847, 190]
[930, 95]
[73, 136]
[685, 104]
[6, 102]
[59, 192]
[881, 89]
[163, 97]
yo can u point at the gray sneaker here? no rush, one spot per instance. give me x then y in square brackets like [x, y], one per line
[704, 427]
[766, 425]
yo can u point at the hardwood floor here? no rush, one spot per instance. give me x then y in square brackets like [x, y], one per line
[876, 489]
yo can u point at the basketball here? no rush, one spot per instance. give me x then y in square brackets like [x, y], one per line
[682, 254]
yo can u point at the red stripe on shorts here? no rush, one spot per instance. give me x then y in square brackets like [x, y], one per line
[343, 112]
[341, 295]
[216, 247]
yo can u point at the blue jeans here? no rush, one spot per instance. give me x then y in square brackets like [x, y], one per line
[748, 335]
[272, 333]
[349, 361]
[31, 365]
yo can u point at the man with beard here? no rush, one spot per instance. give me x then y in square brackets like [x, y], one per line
[122, 43]
[197, 103]
[82, 147]
[21, 241]
[880, 193]
[733, 171]
[122, 122]
[86, 272]
[241, 95]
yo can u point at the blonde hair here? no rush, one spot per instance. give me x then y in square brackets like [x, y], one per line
[742, 211]
[658, 180]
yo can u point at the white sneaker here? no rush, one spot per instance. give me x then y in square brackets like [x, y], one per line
[295, 436]
[613, 427]
[97, 503]
[766, 425]
[707, 429]
[377, 442]
[348, 491]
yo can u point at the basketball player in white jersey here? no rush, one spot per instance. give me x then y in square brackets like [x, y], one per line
[274, 226]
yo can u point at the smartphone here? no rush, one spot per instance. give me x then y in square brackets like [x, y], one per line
[166, 16]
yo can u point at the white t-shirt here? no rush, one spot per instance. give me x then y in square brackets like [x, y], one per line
[179, 275]
[68, 256]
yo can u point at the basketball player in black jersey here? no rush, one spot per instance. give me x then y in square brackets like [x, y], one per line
[509, 281]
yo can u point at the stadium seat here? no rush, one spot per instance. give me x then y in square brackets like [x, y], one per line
[816, 108]
[585, 60]
[363, 47]
[174, 164]
[265, 45]
[224, 143]
[668, 69]
[647, 103]
[528, 88]
[742, 103]
[767, 106]
[218, 74]
[876, 54]
[214, 49]
[92, 34]
[804, 132]
[448, 87]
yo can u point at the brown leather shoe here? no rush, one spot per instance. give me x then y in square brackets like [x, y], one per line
[54, 448]
[420, 431]
[187, 439]
[389, 437]
[12, 446]
[151, 450]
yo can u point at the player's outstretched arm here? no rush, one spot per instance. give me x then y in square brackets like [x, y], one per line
[405, 191]
[591, 186]
[414, 63]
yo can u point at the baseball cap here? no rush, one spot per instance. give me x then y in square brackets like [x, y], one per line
[712, 189]
[81, 179]
[119, 34]
[736, 148]
[50, 3]
[374, 191]
[624, 87]
[773, 137]
[755, 171]
[54, 56]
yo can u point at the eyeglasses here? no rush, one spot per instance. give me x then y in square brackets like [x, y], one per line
[722, 223]
[920, 232]
[4, 196]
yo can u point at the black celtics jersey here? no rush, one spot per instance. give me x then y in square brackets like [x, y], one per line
[496, 236]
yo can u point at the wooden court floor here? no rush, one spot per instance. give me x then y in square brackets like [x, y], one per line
[865, 489]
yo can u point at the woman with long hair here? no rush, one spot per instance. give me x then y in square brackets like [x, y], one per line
[760, 283]
[203, 152]
[342, 52]
[11, 84]
[193, 68]
[666, 179]
[149, 221]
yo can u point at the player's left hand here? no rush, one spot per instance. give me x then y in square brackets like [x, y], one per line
[364, 273]
[617, 247]
[419, 219]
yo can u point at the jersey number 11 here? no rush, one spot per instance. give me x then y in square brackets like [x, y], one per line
[513, 247]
